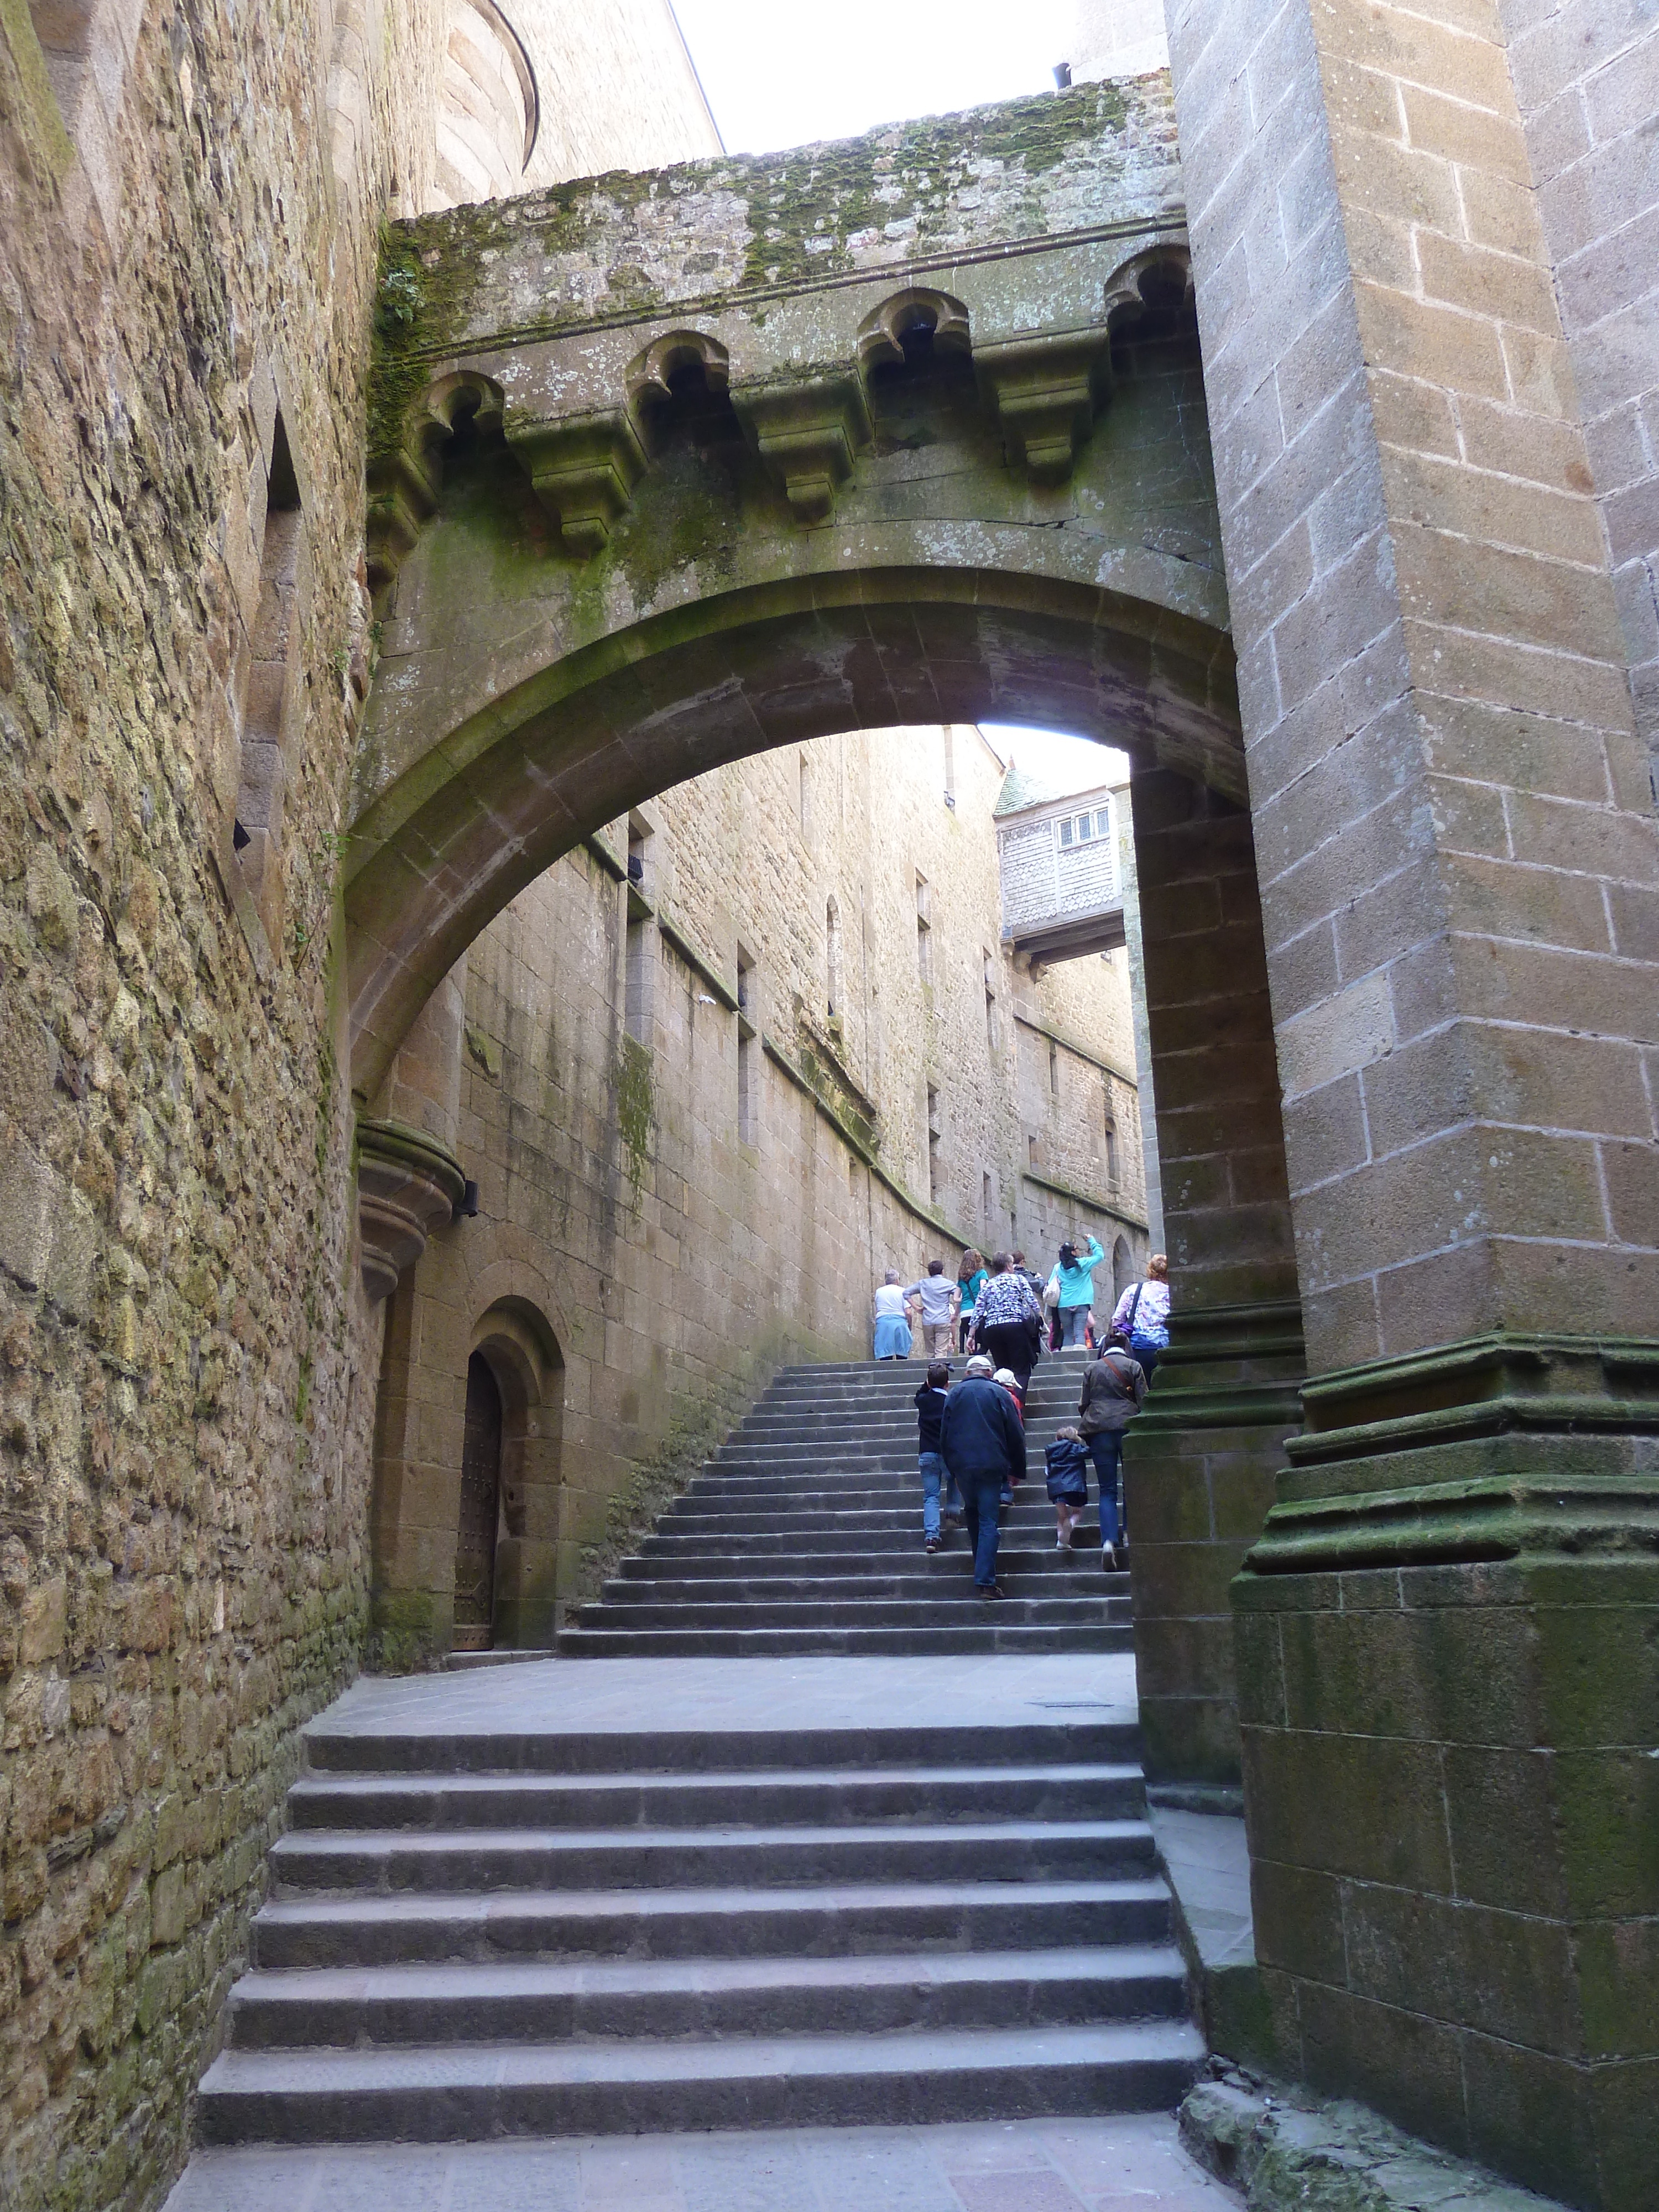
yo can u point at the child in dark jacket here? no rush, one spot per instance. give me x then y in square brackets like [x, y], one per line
[930, 1415]
[1067, 1462]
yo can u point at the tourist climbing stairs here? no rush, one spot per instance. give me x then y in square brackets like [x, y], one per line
[803, 1534]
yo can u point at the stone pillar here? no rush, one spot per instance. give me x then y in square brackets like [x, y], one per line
[1446, 1635]
[1200, 1461]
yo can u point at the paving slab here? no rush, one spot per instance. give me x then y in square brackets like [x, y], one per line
[1130, 2163]
[565, 1697]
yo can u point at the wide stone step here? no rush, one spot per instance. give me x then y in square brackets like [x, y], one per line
[882, 1642]
[954, 1588]
[905, 1794]
[856, 1749]
[907, 1563]
[454, 2092]
[835, 1921]
[553, 2001]
[644, 1610]
[484, 1859]
[864, 1520]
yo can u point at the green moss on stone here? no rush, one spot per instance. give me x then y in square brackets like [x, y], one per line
[635, 1102]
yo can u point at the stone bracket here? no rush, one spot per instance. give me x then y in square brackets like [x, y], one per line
[1045, 392]
[584, 469]
[408, 1186]
[806, 434]
[402, 495]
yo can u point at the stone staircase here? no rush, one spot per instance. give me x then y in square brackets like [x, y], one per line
[803, 1534]
[553, 1933]
[550, 1901]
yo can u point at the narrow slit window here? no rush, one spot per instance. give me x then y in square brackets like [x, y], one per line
[271, 707]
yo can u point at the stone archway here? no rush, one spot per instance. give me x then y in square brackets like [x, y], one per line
[639, 511]
[527, 1368]
[759, 493]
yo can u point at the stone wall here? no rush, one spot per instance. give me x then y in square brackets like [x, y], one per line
[1587, 81]
[543, 90]
[190, 204]
[677, 1191]
[189, 1363]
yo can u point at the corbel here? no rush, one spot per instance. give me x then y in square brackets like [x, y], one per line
[1045, 392]
[806, 434]
[584, 469]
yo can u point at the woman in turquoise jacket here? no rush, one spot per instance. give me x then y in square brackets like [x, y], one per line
[1075, 1276]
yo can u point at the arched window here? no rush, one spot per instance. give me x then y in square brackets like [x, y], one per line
[1123, 1269]
[832, 956]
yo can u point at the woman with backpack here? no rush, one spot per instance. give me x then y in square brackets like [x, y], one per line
[1142, 1318]
[1113, 1387]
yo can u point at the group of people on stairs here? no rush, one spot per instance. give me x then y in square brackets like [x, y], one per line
[971, 1436]
[1006, 1310]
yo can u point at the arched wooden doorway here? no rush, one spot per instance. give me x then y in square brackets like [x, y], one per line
[480, 1510]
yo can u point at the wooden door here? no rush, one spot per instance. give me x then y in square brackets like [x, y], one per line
[481, 1479]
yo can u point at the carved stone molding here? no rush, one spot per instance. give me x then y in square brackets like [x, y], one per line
[408, 1186]
[1496, 1447]
[584, 469]
[881, 333]
[1045, 392]
[405, 479]
[806, 434]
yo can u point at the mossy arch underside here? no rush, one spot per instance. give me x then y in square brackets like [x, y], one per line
[451, 842]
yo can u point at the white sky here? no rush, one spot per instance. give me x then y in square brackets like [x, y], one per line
[1081, 760]
[780, 73]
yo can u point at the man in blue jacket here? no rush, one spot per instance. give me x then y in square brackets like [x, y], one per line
[983, 1446]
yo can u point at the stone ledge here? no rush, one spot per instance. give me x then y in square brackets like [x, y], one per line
[1283, 2148]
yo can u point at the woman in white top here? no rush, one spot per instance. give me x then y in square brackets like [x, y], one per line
[1143, 1314]
[892, 1330]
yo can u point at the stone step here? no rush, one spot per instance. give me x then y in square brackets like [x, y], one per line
[986, 1636]
[854, 1522]
[819, 1798]
[485, 1859]
[899, 1563]
[645, 1609]
[1025, 1536]
[457, 2091]
[954, 1588]
[835, 1486]
[514, 2001]
[833, 1921]
[854, 1749]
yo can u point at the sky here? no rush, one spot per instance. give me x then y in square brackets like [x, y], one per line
[780, 73]
[1079, 762]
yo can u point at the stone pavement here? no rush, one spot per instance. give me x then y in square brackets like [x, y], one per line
[1131, 2163]
[554, 1696]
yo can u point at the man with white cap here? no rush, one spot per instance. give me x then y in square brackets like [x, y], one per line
[983, 1447]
